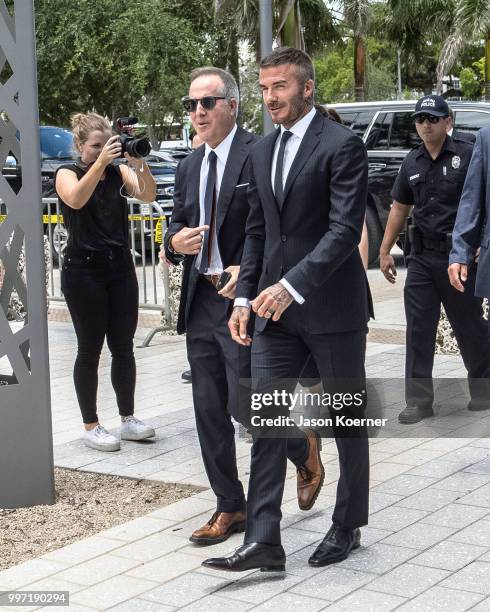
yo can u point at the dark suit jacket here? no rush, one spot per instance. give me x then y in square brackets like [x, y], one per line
[313, 241]
[231, 215]
[472, 229]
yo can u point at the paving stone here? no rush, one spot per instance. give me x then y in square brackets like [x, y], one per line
[214, 603]
[483, 606]
[363, 600]
[30, 571]
[430, 499]
[477, 533]
[151, 547]
[185, 589]
[437, 468]
[408, 580]
[482, 467]
[97, 570]
[136, 529]
[259, 587]
[141, 605]
[83, 550]
[378, 558]
[111, 592]
[478, 497]
[165, 568]
[184, 509]
[470, 454]
[463, 482]
[456, 515]
[291, 601]
[441, 599]
[449, 555]
[405, 484]
[419, 535]
[379, 501]
[333, 583]
[395, 518]
[474, 577]
[371, 535]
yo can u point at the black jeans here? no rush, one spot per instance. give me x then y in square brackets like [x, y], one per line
[101, 292]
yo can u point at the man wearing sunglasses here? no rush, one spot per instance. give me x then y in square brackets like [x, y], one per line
[431, 180]
[207, 232]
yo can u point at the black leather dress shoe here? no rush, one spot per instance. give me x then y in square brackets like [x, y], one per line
[187, 376]
[414, 414]
[269, 557]
[335, 546]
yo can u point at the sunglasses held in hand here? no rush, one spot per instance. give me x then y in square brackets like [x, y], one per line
[208, 102]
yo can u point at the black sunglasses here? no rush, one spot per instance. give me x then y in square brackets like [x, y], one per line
[430, 118]
[208, 102]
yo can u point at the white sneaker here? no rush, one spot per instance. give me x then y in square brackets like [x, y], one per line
[100, 439]
[134, 429]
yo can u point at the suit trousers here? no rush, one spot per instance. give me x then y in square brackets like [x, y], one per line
[278, 357]
[426, 286]
[217, 364]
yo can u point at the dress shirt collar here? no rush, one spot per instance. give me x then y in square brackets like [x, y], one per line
[223, 149]
[300, 127]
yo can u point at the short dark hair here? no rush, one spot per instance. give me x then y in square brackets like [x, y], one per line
[290, 55]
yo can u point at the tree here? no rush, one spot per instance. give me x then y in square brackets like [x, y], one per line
[471, 22]
[357, 14]
[472, 80]
[117, 57]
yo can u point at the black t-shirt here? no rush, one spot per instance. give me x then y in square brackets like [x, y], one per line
[103, 222]
[433, 186]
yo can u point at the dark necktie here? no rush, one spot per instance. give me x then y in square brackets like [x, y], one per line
[278, 186]
[209, 213]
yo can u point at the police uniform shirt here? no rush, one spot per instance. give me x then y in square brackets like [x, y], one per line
[433, 186]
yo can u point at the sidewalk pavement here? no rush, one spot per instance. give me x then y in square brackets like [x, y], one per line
[427, 546]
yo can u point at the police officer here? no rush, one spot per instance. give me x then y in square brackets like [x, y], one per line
[431, 180]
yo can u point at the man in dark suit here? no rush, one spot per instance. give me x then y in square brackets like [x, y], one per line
[302, 271]
[207, 231]
[471, 234]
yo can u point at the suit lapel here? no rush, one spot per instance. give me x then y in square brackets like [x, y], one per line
[195, 173]
[306, 148]
[233, 168]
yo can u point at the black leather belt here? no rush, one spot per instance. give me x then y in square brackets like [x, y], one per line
[212, 278]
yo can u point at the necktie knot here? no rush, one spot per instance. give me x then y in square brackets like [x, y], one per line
[286, 135]
[212, 157]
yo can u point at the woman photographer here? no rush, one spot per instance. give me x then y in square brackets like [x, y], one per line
[98, 278]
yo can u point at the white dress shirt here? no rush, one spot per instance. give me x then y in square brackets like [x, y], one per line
[222, 151]
[292, 145]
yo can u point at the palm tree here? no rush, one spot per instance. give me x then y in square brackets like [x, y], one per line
[471, 23]
[357, 14]
[305, 24]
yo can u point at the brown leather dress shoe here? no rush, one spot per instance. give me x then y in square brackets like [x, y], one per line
[311, 474]
[219, 528]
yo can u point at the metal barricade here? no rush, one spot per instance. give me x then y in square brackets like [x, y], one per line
[147, 223]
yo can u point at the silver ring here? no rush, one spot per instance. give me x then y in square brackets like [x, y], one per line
[270, 311]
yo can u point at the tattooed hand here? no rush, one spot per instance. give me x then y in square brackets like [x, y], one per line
[272, 302]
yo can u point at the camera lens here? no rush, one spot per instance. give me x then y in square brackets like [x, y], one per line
[138, 147]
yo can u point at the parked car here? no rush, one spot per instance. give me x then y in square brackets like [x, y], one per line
[178, 153]
[388, 131]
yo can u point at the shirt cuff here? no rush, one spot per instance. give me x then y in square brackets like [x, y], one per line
[297, 297]
[242, 302]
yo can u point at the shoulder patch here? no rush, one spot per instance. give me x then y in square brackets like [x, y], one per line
[413, 177]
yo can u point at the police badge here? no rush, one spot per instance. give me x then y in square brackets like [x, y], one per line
[456, 162]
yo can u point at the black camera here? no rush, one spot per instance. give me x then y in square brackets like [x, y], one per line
[135, 147]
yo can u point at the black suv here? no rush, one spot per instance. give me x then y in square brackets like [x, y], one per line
[388, 130]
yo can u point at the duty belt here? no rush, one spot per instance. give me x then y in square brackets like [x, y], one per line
[434, 245]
